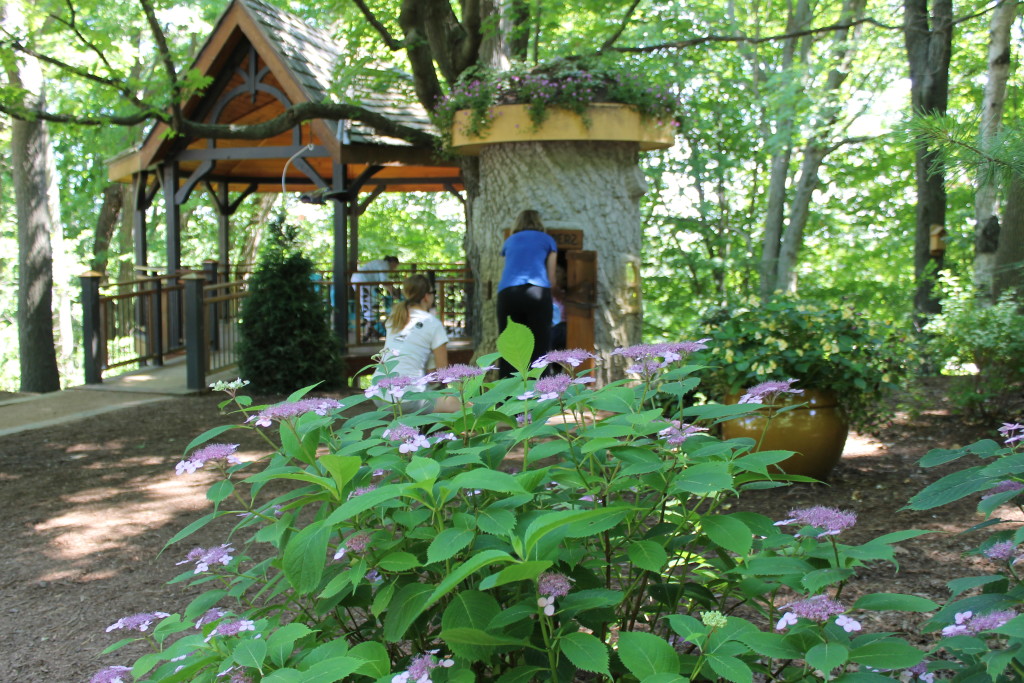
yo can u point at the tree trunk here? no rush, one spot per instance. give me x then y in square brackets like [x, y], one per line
[30, 162]
[929, 41]
[594, 187]
[986, 220]
[1009, 261]
[106, 223]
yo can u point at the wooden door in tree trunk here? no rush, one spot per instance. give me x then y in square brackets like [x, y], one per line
[580, 296]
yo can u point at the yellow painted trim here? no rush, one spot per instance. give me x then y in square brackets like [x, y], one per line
[608, 123]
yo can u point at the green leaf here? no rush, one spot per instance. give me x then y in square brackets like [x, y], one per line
[520, 674]
[341, 467]
[376, 662]
[464, 635]
[422, 469]
[487, 480]
[305, 556]
[447, 543]
[949, 488]
[521, 571]
[282, 641]
[331, 670]
[704, 478]
[774, 645]
[819, 578]
[1013, 628]
[370, 499]
[474, 564]
[730, 668]
[407, 605]
[250, 653]
[473, 609]
[220, 490]
[896, 602]
[887, 653]
[579, 522]
[398, 562]
[645, 654]
[515, 344]
[827, 656]
[728, 532]
[647, 555]
[586, 652]
[496, 521]
[191, 528]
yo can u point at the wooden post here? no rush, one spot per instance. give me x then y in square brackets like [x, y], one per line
[210, 268]
[91, 337]
[195, 336]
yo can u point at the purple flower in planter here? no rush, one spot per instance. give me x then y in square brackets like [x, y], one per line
[832, 520]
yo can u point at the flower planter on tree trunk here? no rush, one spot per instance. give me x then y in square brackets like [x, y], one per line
[816, 432]
[604, 122]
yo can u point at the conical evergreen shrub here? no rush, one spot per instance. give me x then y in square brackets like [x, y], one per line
[286, 341]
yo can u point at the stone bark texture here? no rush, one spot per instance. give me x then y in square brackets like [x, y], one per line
[592, 186]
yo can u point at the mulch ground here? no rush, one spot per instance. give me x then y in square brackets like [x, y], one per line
[88, 507]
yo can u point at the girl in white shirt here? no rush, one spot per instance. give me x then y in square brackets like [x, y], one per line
[416, 341]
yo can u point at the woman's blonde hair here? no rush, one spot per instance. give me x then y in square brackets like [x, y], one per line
[414, 288]
[528, 219]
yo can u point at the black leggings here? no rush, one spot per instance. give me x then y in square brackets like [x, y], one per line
[528, 305]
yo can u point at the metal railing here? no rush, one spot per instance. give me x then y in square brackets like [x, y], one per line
[139, 323]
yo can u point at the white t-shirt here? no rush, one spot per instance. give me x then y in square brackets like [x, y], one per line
[378, 264]
[412, 348]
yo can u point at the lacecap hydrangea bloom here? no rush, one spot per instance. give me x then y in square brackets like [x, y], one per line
[394, 388]
[967, 623]
[112, 674]
[677, 432]
[817, 608]
[571, 357]
[204, 557]
[411, 438]
[137, 622]
[832, 520]
[420, 667]
[552, 585]
[1002, 487]
[458, 373]
[1012, 433]
[231, 628]
[765, 392]
[215, 452]
[293, 409]
[549, 388]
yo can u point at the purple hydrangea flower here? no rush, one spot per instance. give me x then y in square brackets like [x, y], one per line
[420, 667]
[670, 352]
[832, 520]
[920, 672]
[816, 608]
[362, 490]
[547, 388]
[767, 391]
[137, 622]
[209, 616]
[394, 388]
[410, 437]
[204, 557]
[1012, 432]
[112, 674]
[571, 357]
[459, 372]
[553, 584]
[678, 432]
[231, 628]
[647, 369]
[1002, 487]
[286, 411]
[967, 623]
[211, 453]
[1003, 550]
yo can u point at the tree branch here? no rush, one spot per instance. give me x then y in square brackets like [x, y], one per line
[628, 17]
[73, 26]
[165, 57]
[703, 40]
[392, 43]
[293, 116]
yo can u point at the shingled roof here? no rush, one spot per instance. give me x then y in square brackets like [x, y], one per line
[300, 62]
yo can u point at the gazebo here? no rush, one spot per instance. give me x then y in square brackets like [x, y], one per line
[260, 60]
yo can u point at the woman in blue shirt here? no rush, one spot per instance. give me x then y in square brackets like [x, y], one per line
[524, 293]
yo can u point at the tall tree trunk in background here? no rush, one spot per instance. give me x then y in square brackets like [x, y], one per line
[30, 159]
[106, 223]
[1009, 261]
[986, 219]
[929, 42]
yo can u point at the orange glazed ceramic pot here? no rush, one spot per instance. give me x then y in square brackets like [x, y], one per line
[816, 432]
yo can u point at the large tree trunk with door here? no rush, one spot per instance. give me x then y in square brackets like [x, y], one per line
[929, 42]
[591, 186]
[986, 219]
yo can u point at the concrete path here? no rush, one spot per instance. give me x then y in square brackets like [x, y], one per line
[124, 391]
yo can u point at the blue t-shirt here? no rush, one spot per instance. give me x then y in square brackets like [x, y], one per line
[526, 254]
